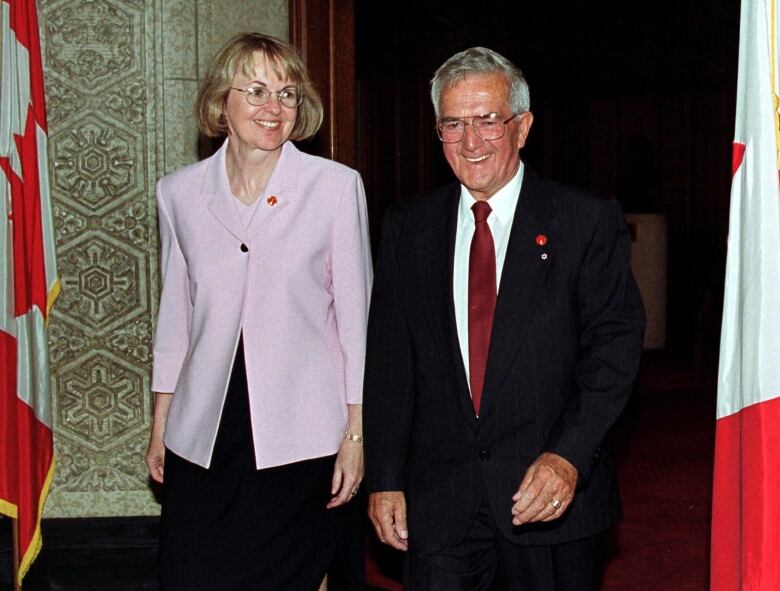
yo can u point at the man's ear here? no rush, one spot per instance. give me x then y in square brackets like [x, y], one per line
[525, 120]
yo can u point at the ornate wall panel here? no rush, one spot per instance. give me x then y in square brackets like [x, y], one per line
[120, 80]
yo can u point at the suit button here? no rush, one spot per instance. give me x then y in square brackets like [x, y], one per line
[244, 248]
[484, 454]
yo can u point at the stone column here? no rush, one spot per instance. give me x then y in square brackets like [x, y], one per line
[120, 82]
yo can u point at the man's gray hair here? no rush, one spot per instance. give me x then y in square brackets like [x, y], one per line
[480, 60]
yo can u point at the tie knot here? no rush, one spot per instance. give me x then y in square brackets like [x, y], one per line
[481, 211]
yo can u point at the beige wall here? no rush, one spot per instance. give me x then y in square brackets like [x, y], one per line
[120, 82]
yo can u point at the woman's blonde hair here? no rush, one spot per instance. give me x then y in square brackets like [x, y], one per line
[239, 53]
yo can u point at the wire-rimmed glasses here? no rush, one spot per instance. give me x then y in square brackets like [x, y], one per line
[488, 127]
[289, 96]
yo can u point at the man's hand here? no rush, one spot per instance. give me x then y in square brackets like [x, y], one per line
[546, 490]
[387, 511]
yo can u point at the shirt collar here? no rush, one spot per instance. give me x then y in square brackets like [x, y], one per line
[503, 203]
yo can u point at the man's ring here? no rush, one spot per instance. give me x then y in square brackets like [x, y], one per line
[556, 504]
[354, 492]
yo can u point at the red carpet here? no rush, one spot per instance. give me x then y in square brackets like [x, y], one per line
[663, 448]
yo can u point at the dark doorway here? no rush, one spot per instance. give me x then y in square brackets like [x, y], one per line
[634, 100]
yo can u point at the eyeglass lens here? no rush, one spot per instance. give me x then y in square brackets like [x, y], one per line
[259, 95]
[487, 127]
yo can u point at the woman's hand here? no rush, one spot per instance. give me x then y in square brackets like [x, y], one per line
[155, 459]
[347, 473]
[155, 455]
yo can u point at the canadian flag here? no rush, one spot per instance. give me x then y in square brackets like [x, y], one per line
[746, 487]
[28, 279]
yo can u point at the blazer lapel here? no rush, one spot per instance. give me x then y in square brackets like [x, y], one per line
[459, 368]
[437, 260]
[216, 190]
[434, 252]
[281, 188]
[522, 281]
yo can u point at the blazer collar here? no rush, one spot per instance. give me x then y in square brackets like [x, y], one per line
[439, 248]
[525, 267]
[522, 280]
[462, 383]
[282, 188]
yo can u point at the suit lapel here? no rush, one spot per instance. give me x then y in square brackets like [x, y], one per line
[282, 186]
[219, 199]
[461, 381]
[522, 281]
[435, 259]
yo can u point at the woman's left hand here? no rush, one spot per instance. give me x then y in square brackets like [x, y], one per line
[347, 473]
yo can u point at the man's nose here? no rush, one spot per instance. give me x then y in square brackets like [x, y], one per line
[471, 138]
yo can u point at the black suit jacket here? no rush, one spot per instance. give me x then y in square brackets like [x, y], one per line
[565, 347]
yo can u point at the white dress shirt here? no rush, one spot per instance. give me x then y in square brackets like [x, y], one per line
[503, 205]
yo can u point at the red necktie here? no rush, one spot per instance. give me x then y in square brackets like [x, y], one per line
[482, 299]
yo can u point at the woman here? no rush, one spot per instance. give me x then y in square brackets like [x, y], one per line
[258, 353]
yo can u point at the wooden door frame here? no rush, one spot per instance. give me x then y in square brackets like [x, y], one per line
[324, 33]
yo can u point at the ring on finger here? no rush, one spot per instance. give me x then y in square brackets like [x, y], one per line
[556, 504]
[354, 493]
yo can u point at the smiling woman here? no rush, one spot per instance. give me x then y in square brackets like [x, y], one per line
[257, 124]
[257, 433]
[239, 56]
[279, 102]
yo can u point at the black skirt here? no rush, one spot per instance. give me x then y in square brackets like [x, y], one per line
[232, 526]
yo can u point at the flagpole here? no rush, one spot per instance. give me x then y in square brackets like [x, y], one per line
[15, 553]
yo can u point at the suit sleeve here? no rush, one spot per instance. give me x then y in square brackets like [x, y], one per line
[611, 332]
[351, 276]
[389, 384]
[172, 335]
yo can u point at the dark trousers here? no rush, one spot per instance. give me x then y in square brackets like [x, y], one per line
[486, 560]
[232, 527]
[348, 570]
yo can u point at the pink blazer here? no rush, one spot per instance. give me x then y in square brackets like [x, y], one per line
[296, 283]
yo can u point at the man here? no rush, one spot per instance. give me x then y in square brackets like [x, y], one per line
[504, 337]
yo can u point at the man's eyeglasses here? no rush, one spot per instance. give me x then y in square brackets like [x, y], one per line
[257, 96]
[488, 127]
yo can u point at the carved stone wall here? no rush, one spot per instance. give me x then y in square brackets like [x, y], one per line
[121, 77]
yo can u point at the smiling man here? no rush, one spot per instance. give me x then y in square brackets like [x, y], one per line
[504, 337]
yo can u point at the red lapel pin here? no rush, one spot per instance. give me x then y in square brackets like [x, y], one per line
[541, 240]
[272, 200]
